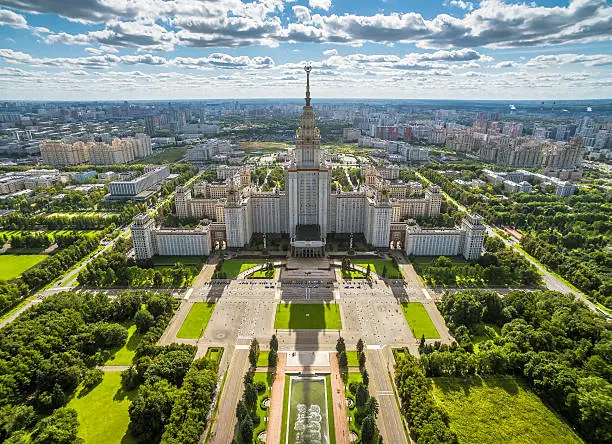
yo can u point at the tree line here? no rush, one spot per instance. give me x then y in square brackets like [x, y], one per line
[563, 349]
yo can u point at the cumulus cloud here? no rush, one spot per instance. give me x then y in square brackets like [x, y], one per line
[302, 13]
[216, 60]
[330, 52]
[321, 4]
[460, 4]
[12, 19]
[506, 64]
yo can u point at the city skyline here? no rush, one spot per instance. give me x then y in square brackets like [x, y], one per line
[451, 49]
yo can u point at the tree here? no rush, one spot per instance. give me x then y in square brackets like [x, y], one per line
[272, 358]
[157, 279]
[361, 357]
[362, 395]
[274, 343]
[368, 271]
[241, 410]
[151, 409]
[254, 352]
[384, 271]
[59, 428]
[144, 320]
[250, 396]
[368, 429]
[246, 429]
[342, 360]
[360, 346]
[365, 377]
[371, 407]
[340, 345]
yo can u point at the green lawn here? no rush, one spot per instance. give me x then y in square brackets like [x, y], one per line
[125, 354]
[167, 155]
[261, 411]
[356, 378]
[262, 274]
[499, 409]
[103, 412]
[195, 323]
[12, 265]
[285, 409]
[233, 267]
[262, 359]
[351, 356]
[214, 354]
[419, 320]
[378, 265]
[308, 316]
[352, 274]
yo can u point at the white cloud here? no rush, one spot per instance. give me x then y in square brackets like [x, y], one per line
[330, 52]
[12, 19]
[321, 4]
[302, 13]
[461, 4]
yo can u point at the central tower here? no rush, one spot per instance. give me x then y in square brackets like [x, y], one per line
[308, 179]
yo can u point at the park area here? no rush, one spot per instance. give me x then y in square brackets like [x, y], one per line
[103, 412]
[419, 321]
[12, 265]
[307, 410]
[308, 316]
[196, 321]
[231, 268]
[125, 354]
[382, 267]
[499, 409]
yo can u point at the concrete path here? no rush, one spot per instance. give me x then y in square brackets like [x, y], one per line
[338, 402]
[113, 368]
[390, 422]
[275, 414]
[225, 425]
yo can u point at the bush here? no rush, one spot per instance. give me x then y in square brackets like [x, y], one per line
[353, 387]
[144, 320]
[92, 379]
[260, 386]
[130, 378]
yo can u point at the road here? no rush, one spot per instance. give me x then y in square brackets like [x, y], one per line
[68, 281]
[223, 428]
[390, 423]
[551, 282]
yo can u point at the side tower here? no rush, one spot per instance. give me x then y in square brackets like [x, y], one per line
[142, 237]
[182, 200]
[237, 221]
[434, 200]
[474, 236]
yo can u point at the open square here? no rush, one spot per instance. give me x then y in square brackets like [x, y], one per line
[308, 316]
[196, 321]
[419, 321]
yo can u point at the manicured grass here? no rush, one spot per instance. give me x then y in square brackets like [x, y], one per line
[166, 155]
[308, 316]
[195, 323]
[214, 354]
[499, 409]
[262, 359]
[261, 411]
[12, 265]
[262, 274]
[103, 412]
[378, 265]
[356, 378]
[285, 409]
[169, 261]
[330, 410]
[233, 267]
[351, 356]
[400, 353]
[125, 354]
[353, 274]
[419, 321]
[264, 147]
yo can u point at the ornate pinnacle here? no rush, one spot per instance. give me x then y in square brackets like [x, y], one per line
[307, 68]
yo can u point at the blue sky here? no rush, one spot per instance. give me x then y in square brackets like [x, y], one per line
[175, 49]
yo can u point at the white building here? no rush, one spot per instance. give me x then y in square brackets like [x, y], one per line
[466, 241]
[139, 188]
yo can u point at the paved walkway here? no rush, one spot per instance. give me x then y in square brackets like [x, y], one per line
[113, 368]
[225, 425]
[339, 402]
[275, 414]
[390, 422]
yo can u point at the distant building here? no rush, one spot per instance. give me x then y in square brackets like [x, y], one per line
[140, 188]
[350, 134]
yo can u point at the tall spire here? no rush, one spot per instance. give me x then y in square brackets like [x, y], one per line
[307, 68]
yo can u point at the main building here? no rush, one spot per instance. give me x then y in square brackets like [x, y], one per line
[307, 210]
